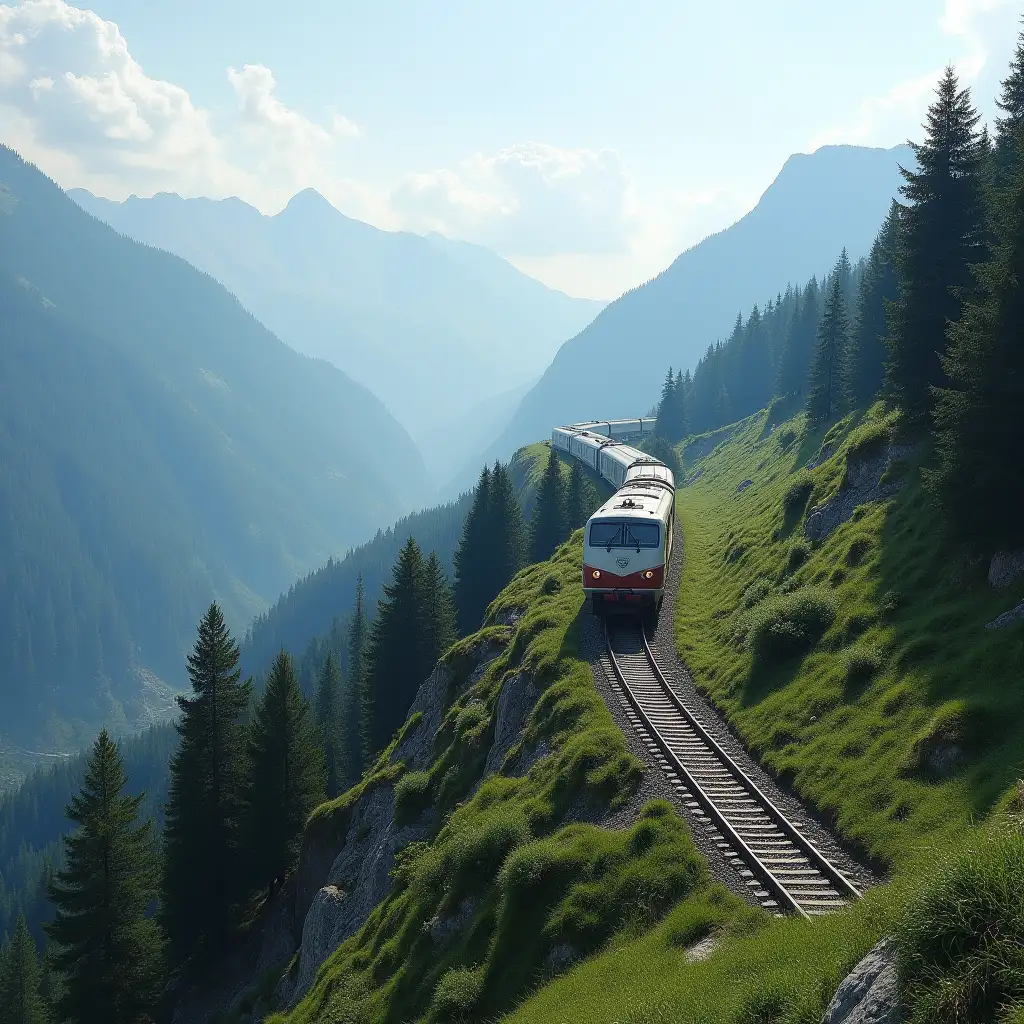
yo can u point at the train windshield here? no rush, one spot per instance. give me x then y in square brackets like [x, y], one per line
[606, 535]
[623, 535]
[642, 535]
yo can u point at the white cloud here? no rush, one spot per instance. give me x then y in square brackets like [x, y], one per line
[981, 30]
[73, 99]
[531, 200]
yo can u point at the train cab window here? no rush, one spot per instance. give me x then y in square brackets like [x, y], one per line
[642, 535]
[606, 535]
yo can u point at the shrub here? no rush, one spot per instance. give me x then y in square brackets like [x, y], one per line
[955, 729]
[858, 548]
[790, 624]
[551, 585]
[457, 994]
[756, 592]
[890, 602]
[961, 941]
[799, 552]
[861, 664]
[412, 796]
[794, 501]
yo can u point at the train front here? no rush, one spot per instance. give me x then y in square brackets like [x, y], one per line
[624, 554]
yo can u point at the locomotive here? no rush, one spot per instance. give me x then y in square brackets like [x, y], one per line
[627, 543]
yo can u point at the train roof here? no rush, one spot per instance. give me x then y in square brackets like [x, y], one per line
[635, 501]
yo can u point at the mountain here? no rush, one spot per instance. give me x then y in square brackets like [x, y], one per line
[837, 196]
[431, 326]
[159, 448]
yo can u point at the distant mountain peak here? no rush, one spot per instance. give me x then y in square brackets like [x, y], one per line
[310, 201]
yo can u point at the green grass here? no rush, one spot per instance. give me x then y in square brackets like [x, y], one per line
[898, 671]
[844, 720]
[537, 888]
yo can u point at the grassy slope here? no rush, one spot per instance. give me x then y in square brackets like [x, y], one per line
[536, 885]
[854, 746]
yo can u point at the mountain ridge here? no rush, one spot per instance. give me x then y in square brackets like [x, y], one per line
[818, 202]
[428, 324]
[159, 448]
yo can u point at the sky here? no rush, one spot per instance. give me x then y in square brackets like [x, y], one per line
[587, 141]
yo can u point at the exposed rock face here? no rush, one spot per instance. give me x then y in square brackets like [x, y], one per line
[1006, 568]
[515, 702]
[863, 484]
[870, 995]
[444, 929]
[343, 890]
[357, 882]
[1007, 618]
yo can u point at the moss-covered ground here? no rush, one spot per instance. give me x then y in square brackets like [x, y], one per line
[860, 671]
[534, 889]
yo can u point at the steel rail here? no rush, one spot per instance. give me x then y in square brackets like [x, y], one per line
[787, 893]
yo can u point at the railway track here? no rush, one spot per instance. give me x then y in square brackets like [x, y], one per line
[786, 872]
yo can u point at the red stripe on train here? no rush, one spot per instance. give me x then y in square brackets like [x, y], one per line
[633, 581]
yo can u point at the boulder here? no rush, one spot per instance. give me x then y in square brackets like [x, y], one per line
[1006, 568]
[870, 995]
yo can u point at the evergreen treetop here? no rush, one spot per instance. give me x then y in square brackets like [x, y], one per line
[979, 415]
[549, 525]
[287, 776]
[109, 952]
[21, 999]
[201, 825]
[328, 719]
[940, 236]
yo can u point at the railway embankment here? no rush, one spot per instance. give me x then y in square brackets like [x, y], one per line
[507, 835]
[855, 664]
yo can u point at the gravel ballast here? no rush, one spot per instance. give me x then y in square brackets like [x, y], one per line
[656, 785]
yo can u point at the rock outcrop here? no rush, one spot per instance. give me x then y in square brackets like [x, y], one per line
[870, 995]
[341, 878]
[864, 483]
[1015, 614]
[1005, 569]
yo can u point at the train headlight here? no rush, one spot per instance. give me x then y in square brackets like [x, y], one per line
[596, 574]
[648, 575]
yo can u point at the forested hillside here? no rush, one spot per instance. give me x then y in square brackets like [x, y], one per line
[834, 197]
[431, 326]
[158, 448]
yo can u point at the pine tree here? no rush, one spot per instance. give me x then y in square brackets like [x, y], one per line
[22, 1001]
[356, 698]
[865, 363]
[798, 352]
[109, 952]
[437, 629]
[680, 407]
[329, 722]
[941, 235]
[201, 825]
[582, 500]
[825, 395]
[663, 422]
[1011, 103]
[394, 658]
[471, 584]
[286, 776]
[549, 525]
[979, 417]
[507, 537]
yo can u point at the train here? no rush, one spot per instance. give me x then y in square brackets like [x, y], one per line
[628, 541]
